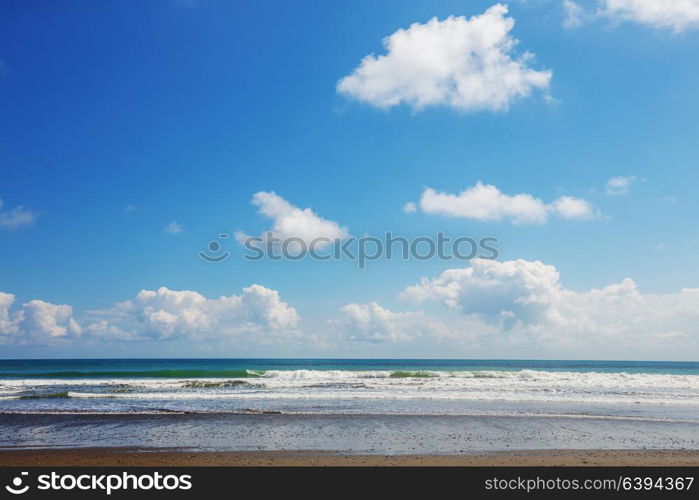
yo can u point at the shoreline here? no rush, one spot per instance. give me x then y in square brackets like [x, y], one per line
[160, 457]
[367, 435]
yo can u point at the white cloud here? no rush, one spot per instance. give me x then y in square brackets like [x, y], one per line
[573, 14]
[677, 15]
[529, 304]
[16, 217]
[290, 221]
[173, 228]
[43, 319]
[488, 308]
[375, 324]
[410, 208]
[171, 314]
[130, 208]
[522, 306]
[466, 64]
[8, 325]
[35, 321]
[161, 314]
[487, 203]
[619, 184]
[569, 207]
[105, 330]
[492, 289]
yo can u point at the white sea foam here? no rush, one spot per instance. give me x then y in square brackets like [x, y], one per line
[300, 385]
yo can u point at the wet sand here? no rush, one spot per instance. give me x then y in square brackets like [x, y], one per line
[126, 457]
[353, 434]
[341, 440]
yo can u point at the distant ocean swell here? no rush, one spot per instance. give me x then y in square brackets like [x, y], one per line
[258, 373]
[137, 374]
[350, 374]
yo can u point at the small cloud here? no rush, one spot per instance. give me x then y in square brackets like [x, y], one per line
[290, 221]
[573, 14]
[677, 15]
[486, 202]
[410, 208]
[660, 247]
[129, 208]
[619, 185]
[16, 217]
[4, 68]
[569, 207]
[669, 199]
[173, 228]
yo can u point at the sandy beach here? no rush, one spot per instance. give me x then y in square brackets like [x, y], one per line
[127, 457]
[342, 440]
[374, 435]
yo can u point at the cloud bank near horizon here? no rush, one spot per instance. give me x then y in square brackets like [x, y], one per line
[161, 314]
[489, 306]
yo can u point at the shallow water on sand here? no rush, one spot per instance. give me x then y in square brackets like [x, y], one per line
[389, 434]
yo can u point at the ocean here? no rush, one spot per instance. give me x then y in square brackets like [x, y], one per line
[664, 391]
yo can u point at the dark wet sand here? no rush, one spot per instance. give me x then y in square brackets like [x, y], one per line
[372, 435]
[341, 440]
[125, 457]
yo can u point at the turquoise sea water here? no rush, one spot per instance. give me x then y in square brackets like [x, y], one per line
[620, 389]
[162, 368]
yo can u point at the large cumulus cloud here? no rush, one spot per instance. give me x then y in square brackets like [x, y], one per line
[467, 64]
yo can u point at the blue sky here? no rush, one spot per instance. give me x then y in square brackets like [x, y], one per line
[120, 118]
